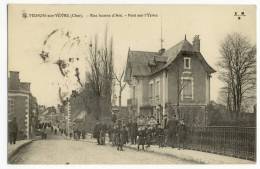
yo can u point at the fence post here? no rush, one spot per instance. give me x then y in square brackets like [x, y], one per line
[224, 145]
[201, 139]
[246, 143]
[226, 140]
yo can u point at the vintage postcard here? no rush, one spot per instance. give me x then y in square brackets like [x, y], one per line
[131, 84]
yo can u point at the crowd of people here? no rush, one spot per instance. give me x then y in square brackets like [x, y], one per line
[119, 134]
[44, 126]
[75, 133]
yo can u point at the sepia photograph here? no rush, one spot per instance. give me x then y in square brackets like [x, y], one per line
[131, 84]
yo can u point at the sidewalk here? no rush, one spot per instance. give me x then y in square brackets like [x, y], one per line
[12, 149]
[188, 155]
[195, 156]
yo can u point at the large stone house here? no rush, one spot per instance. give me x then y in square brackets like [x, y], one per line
[22, 105]
[172, 82]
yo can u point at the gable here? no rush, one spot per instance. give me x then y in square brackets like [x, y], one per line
[194, 55]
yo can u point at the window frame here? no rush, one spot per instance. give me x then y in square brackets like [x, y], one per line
[189, 62]
[10, 105]
[192, 88]
[157, 92]
[151, 91]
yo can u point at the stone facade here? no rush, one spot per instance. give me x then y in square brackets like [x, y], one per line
[22, 105]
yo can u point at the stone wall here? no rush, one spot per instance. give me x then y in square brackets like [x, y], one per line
[20, 111]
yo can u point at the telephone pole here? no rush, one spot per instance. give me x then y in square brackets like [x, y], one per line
[68, 116]
[161, 39]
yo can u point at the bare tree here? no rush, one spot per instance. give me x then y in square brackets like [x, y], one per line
[122, 85]
[237, 67]
[100, 75]
[180, 87]
[225, 97]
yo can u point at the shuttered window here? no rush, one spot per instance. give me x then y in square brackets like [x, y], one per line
[187, 89]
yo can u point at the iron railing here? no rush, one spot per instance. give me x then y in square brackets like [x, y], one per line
[238, 142]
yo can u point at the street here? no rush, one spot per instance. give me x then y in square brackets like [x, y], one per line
[57, 150]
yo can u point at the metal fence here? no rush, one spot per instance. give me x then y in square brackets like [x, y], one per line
[237, 142]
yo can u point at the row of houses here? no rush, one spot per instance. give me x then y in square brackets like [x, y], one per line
[167, 83]
[22, 105]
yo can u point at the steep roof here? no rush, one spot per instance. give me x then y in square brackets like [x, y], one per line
[184, 46]
[176, 49]
[138, 61]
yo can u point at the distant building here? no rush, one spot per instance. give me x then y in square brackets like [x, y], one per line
[160, 82]
[22, 105]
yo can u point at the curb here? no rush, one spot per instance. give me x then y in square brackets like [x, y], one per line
[158, 153]
[14, 152]
[169, 155]
[186, 158]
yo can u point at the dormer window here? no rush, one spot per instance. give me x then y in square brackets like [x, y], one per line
[187, 63]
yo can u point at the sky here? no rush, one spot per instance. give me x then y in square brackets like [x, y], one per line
[26, 37]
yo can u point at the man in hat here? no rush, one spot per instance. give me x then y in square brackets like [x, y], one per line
[13, 131]
[148, 134]
[96, 132]
[141, 137]
[119, 138]
[172, 131]
[181, 134]
[113, 135]
[133, 132]
[102, 135]
[125, 134]
[160, 136]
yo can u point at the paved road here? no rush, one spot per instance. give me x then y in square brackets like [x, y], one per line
[60, 151]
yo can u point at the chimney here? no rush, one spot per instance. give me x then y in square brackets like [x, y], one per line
[14, 75]
[161, 51]
[13, 80]
[196, 43]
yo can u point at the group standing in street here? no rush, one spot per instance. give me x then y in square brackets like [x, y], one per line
[173, 134]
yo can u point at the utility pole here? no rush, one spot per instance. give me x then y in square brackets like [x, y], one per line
[161, 39]
[68, 116]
